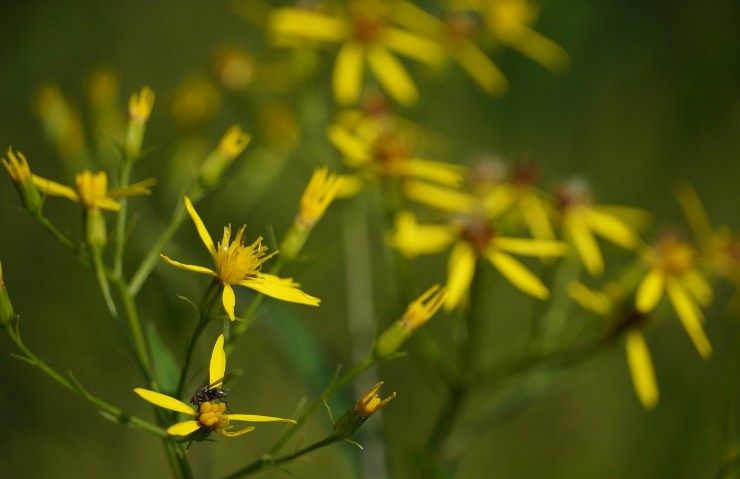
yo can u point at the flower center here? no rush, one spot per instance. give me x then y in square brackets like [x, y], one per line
[366, 27]
[236, 261]
[211, 415]
[478, 232]
[461, 26]
[675, 256]
[574, 192]
[391, 151]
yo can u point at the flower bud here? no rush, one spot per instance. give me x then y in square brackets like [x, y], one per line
[365, 407]
[418, 313]
[232, 144]
[20, 173]
[139, 108]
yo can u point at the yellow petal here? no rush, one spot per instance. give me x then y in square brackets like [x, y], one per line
[588, 299]
[481, 68]
[460, 271]
[530, 247]
[436, 196]
[698, 286]
[611, 227]
[356, 152]
[162, 400]
[238, 432]
[414, 18]
[641, 369]
[413, 46]
[205, 237]
[535, 216]
[650, 291]
[541, 49]
[517, 274]
[437, 171]
[188, 267]
[392, 76]
[412, 239]
[280, 288]
[584, 242]
[140, 188]
[304, 23]
[217, 367]
[183, 428]
[695, 213]
[690, 316]
[498, 200]
[229, 301]
[54, 189]
[347, 77]
[255, 418]
[349, 186]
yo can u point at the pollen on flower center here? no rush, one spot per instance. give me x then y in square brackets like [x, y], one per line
[477, 231]
[236, 261]
[211, 414]
[366, 27]
[391, 150]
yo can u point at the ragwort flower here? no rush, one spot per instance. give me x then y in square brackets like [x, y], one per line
[672, 269]
[237, 263]
[473, 236]
[209, 415]
[368, 33]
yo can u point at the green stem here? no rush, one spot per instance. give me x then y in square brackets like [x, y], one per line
[134, 326]
[268, 461]
[189, 353]
[110, 412]
[102, 277]
[325, 395]
[120, 236]
[62, 239]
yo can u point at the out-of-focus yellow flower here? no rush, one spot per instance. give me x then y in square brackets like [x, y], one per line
[458, 33]
[234, 141]
[474, 236]
[237, 263]
[210, 415]
[510, 22]
[17, 166]
[582, 220]
[367, 33]
[196, 100]
[383, 149]
[140, 105]
[91, 190]
[232, 144]
[234, 68]
[638, 355]
[720, 247]
[417, 314]
[321, 190]
[61, 124]
[672, 269]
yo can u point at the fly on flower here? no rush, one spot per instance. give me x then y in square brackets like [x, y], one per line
[209, 415]
[238, 263]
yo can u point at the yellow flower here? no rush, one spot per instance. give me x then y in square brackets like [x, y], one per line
[140, 105]
[17, 166]
[208, 416]
[234, 141]
[638, 355]
[367, 34]
[231, 145]
[237, 263]
[672, 270]
[583, 220]
[383, 149]
[91, 190]
[196, 100]
[371, 402]
[510, 22]
[473, 236]
[318, 195]
[416, 315]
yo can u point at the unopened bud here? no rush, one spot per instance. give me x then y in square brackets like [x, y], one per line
[139, 108]
[232, 144]
[365, 407]
[20, 173]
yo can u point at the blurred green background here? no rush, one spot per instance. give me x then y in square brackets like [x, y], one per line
[653, 95]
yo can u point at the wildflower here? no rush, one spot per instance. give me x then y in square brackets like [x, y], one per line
[91, 190]
[672, 269]
[232, 144]
[139, 108]
[639, 362]
[20, 173]
[510, 22]
[237, 263]
[208, 416]
[196, 100]
[379, 150]
[62, 124]
[416, 315]
[365, 407]
[582, 220]
[473, 236]
[318, 195]
[367, 34]
[234, 68]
